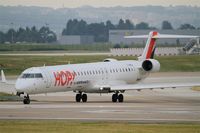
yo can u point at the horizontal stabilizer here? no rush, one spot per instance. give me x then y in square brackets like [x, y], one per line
[162, 36]
[173, 36]
[137, 36]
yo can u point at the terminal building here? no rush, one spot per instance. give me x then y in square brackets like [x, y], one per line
[117, 36]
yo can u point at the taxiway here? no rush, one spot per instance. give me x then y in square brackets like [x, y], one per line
[148, 106]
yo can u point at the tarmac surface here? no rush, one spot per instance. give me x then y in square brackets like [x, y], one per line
[148, 106]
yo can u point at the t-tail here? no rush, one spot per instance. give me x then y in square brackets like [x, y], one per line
[150, 46]
[147, 62]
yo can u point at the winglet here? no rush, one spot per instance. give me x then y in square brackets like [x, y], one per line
[3, 78]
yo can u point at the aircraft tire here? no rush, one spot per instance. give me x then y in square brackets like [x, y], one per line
[26, 101]
[84, 98]
[78, 97]
[120, 98]
[114, 98]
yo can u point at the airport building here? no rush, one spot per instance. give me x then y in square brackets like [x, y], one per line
[75, 39]
[117, 36]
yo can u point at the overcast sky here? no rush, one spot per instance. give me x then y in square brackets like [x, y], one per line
[97, 3]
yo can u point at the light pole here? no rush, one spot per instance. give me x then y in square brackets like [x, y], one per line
[46, 32]
[12, 32]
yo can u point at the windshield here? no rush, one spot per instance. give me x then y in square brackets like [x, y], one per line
[31, 75]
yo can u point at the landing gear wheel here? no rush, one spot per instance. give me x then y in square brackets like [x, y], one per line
[114, 98]
[120, 98]
[78, 97]
[26, 100]
[84, 98]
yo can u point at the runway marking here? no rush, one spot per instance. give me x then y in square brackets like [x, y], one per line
[145, 112]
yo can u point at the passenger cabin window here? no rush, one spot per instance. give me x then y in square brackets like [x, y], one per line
[110, 71]
[99, 72]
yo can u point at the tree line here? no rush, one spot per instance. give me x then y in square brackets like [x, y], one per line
[100, 31]
[33, 35]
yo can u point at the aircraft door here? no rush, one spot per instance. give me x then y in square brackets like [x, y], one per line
[104, 75]
[47, 77]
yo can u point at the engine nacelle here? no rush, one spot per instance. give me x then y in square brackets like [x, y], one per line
[109, 60]
[151, 65]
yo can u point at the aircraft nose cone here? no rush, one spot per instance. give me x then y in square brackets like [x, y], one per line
[19, 86]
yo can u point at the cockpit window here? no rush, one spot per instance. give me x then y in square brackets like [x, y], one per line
[38, 75]
[26, 75]
[31, 75]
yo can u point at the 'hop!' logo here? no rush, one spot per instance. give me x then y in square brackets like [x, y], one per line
[64, 78]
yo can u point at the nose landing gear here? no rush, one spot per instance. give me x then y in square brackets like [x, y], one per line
[26, 99]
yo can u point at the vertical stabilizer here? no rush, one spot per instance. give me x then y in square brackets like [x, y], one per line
[149, 49]
[3, 78]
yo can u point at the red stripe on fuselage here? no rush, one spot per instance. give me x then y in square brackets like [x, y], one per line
[151, 46]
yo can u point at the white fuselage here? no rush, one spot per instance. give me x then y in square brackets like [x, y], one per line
[87, 77]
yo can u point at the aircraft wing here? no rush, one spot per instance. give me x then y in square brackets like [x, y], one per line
[142, 86]
[4, 81]
[7, 86]
[8, 83]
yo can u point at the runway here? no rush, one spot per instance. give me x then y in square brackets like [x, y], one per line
[148, 106]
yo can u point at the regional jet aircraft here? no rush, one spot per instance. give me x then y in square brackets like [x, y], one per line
[109, 76]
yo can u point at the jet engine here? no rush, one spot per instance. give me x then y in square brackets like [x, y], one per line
[109, 60]
[151, 65]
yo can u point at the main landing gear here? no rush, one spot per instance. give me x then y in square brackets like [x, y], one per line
[116, 97]
[26, 99]
[80, 97]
